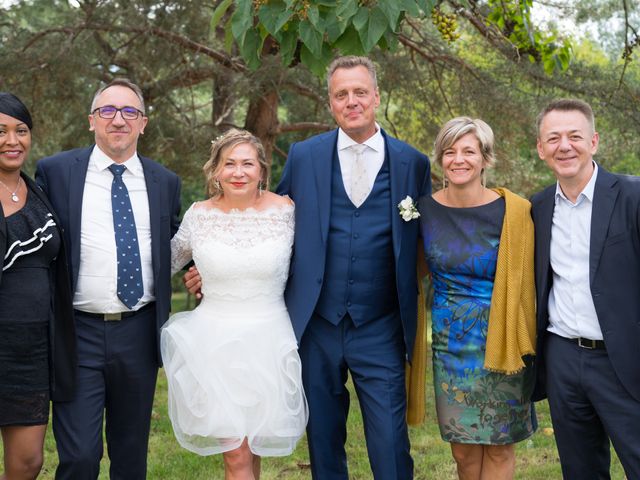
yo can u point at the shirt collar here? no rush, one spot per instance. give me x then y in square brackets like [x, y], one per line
[375, 142]
[587, 191]
[102, 161]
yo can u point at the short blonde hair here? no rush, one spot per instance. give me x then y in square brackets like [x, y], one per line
[222, 144]
[351, 61]
[457, 128]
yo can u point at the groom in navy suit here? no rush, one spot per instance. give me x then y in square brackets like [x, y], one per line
[118, 211]
[587, 229]
[352, 293]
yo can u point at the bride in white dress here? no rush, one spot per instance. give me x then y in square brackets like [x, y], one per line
[232, 364]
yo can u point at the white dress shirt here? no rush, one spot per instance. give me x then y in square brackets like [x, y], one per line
[96, 290]
[572, 313]
[373, 156]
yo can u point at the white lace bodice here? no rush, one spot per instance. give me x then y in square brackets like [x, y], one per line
[241, 254]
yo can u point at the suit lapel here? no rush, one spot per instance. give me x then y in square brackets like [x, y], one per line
[153, 194]
[77, 177]
[322, 158]
[398, 176]
[604, 198]
[3, 239]
[543, 246]
[3, 234]
[33, 188]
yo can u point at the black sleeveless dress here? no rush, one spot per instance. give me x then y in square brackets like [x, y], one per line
[25, 305]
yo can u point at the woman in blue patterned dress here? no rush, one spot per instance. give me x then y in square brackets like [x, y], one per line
[482, 404]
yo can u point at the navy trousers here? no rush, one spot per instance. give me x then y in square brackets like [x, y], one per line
[117, 371]
[588, 407]
[374, 355]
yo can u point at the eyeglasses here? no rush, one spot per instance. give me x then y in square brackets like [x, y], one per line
[109, 112]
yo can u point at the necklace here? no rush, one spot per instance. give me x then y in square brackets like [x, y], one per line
[14, 196]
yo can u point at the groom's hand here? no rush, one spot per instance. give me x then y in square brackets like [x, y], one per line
[193, 282]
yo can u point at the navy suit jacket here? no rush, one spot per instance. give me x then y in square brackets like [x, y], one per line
[614, 273]
[62, 333]
[307, 180]
[62, 177]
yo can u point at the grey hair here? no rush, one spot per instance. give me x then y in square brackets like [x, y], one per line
[120, 82]
[567, 105]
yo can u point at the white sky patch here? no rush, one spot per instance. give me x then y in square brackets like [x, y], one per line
[561, 17]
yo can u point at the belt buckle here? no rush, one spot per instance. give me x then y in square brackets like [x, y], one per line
[108, 317]
[587, 346]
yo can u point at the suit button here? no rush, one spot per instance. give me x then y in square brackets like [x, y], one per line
[348, 304]
[357, 214]
[319, 280]
[355, 235]
[353, 259]
[339, 314]
[351, 282]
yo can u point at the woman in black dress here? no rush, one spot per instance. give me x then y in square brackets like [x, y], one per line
[37, 335]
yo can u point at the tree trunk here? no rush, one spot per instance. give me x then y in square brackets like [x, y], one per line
[223, 101]
[262, 119]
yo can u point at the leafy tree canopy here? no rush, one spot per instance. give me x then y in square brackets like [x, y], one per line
[196, 64]
[312, 31]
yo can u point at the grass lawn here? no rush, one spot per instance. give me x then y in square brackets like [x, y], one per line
[537, 458]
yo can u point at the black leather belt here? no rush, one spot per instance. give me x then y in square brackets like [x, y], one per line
[108, 317]
[586, 343]
[590, 344]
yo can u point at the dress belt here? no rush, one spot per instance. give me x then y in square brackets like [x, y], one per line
[107, 317]
[585, 343]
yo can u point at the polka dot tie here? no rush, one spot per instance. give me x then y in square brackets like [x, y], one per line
[130, 287]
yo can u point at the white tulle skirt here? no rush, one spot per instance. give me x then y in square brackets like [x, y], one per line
[234, 372]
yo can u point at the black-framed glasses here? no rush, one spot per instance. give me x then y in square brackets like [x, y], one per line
[109, 112]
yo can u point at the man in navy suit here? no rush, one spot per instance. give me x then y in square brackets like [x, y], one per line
[352, 292]
[117, 323]
[587, 230]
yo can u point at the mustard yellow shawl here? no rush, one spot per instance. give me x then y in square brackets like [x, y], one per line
[416, 371]
[512, 323]
[512, 316]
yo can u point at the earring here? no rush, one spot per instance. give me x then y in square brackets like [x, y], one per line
[483, 178]
[216, 183]
[444, 181]
[260, 188]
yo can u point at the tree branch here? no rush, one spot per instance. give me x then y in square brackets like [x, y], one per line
[304, 91]
[184, 42]
[302, 126]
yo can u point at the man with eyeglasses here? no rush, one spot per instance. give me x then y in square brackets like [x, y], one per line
[118, 211]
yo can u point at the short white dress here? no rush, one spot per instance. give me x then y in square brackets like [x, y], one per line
[232, 363]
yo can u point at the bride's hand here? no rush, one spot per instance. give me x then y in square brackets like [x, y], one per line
[193, 282]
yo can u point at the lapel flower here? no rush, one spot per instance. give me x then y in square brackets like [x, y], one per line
[408, 210]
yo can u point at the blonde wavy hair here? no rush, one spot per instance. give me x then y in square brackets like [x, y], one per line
[224, 143]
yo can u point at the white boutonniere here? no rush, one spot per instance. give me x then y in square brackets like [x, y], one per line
[408, 210]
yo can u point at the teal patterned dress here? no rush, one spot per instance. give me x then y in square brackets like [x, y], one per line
[474, 405]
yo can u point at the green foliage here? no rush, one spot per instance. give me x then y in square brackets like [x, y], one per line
[313, 31]
[318, 27]
[513, 18]
[54, 54]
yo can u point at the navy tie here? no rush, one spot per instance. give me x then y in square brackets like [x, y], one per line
[130, 287]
